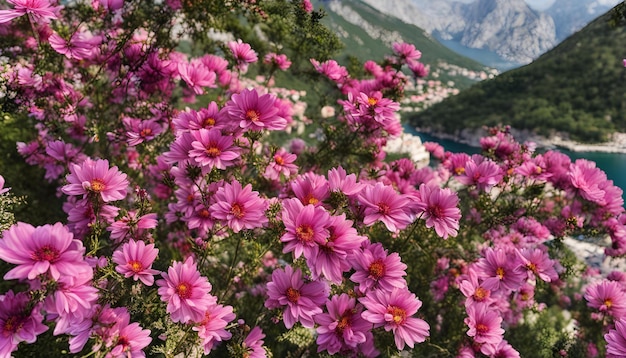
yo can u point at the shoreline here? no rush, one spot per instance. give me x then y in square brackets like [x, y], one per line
[617, 144]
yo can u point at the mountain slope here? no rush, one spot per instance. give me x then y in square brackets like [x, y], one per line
[572, 15]
[368, 35]
[577, 88]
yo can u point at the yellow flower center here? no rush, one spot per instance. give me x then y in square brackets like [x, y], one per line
[97, 185]
[377, 269]
[293, 295]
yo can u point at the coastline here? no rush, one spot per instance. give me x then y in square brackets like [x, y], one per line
[617, 144]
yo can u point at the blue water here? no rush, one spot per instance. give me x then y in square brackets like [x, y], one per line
[486, 57]
[613, 164]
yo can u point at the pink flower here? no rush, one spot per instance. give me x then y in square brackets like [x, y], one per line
[301, 301]
[281, 163]
[196, 75]
[212, 330]
[2, 188]
[481, 172]
[340, 181]
[393, 311]
[243, 53]
[484, 324]
[342, 328]
[255, 112]
[128, 339]
[280, 61]
[616, 340]
[332, 70]
[253, 343]
[135, 260]
[608, 297]
[406, 52]
[241, 208]
[305, 226]
[132, 226]
[439, 209]
[95, 177]
[472, 289]
[139, 131]
[211, 149]
[185, 291]
[73, 297]
[588, 180]
[80, 45]
[383, 203]
[39, 10]
[377, 270]
[538, 262]
[18, 323]
[308, 7]
[48, 249]
[310, 188]
[498, 270]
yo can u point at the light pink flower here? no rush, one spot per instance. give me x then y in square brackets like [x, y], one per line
[241, 208]
[280, 61]
[95, 177]
[48, 249]
[588, 179]
[310, 188]
[340, 181]
[394, 311]
[300, 300]
[211, 329]
[211, 149]
[196, 75]
[185, 291]
[281, 163]
[253, 343]
[406, 52]
[132, 226]
[134, 259]
[80, 45]
[499, 270]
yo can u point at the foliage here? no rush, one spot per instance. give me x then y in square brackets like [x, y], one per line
[574, 90]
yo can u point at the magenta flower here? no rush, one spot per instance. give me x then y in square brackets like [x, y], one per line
[255, 112]
[132, 226]
[211, 149]
[377, 270]
[281, 163]
[280, 61]
[375, 106]
[127, 340]
[439, 208]
[241, 208]
[332, 70]
[185, 291]
[484, 324]
[134, 259]
[394, 311]
[498, 270]
[253, 344]
[608, 297]
[212, 330]
[301, 301]
[39, 10]
[48, 249]
[340, 181]
[588, 180]
[73, 297]
[472, 289]
[481, 172]
[383, 203]
[616, 340]
[342, 328]
[17, 323]
[538, 263]
[139, 131]
[196, 75]
[305, 226]
[310, 188]
[243, 54]
[2, 188]
[95, 177]
[406, 52]
[79, 46]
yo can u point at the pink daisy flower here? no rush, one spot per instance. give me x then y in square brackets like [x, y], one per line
[608, 297]
[310, 188]
[616, 340]
[341, 328]
[243, 54]
[393, 311]
[588, 179]
[185, 291]
[484, 324]
[406, 52]
[128, 339]
[340, 181]
[383, 203]
[280, 61]
[538, 263]
[2, 188]
[79, 46]
[375, 106]
[196, 75]
[132, 226]
[253, 343]
[17, 323]
[439, 207]
[212, 329]
[377, 270]
[73, 298]
[95, 177]
[498, 270]
[134, 259]
[481, 172]
[241, 208]
[472, 289]
[281, 163]
[48, 249]
[255, 112]
[211, 149]
[301, 301]
[331, 69]
[39, 10]
[305, 226]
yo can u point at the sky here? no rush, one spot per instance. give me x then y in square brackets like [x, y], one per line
[539, 4]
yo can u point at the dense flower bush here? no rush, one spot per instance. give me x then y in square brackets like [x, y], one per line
[209, 211]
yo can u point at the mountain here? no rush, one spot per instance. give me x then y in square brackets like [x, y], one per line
[575, 90]
[572, 15]
[368, 34]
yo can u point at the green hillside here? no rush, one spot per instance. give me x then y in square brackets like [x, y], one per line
[374, 46]
[578, 88]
